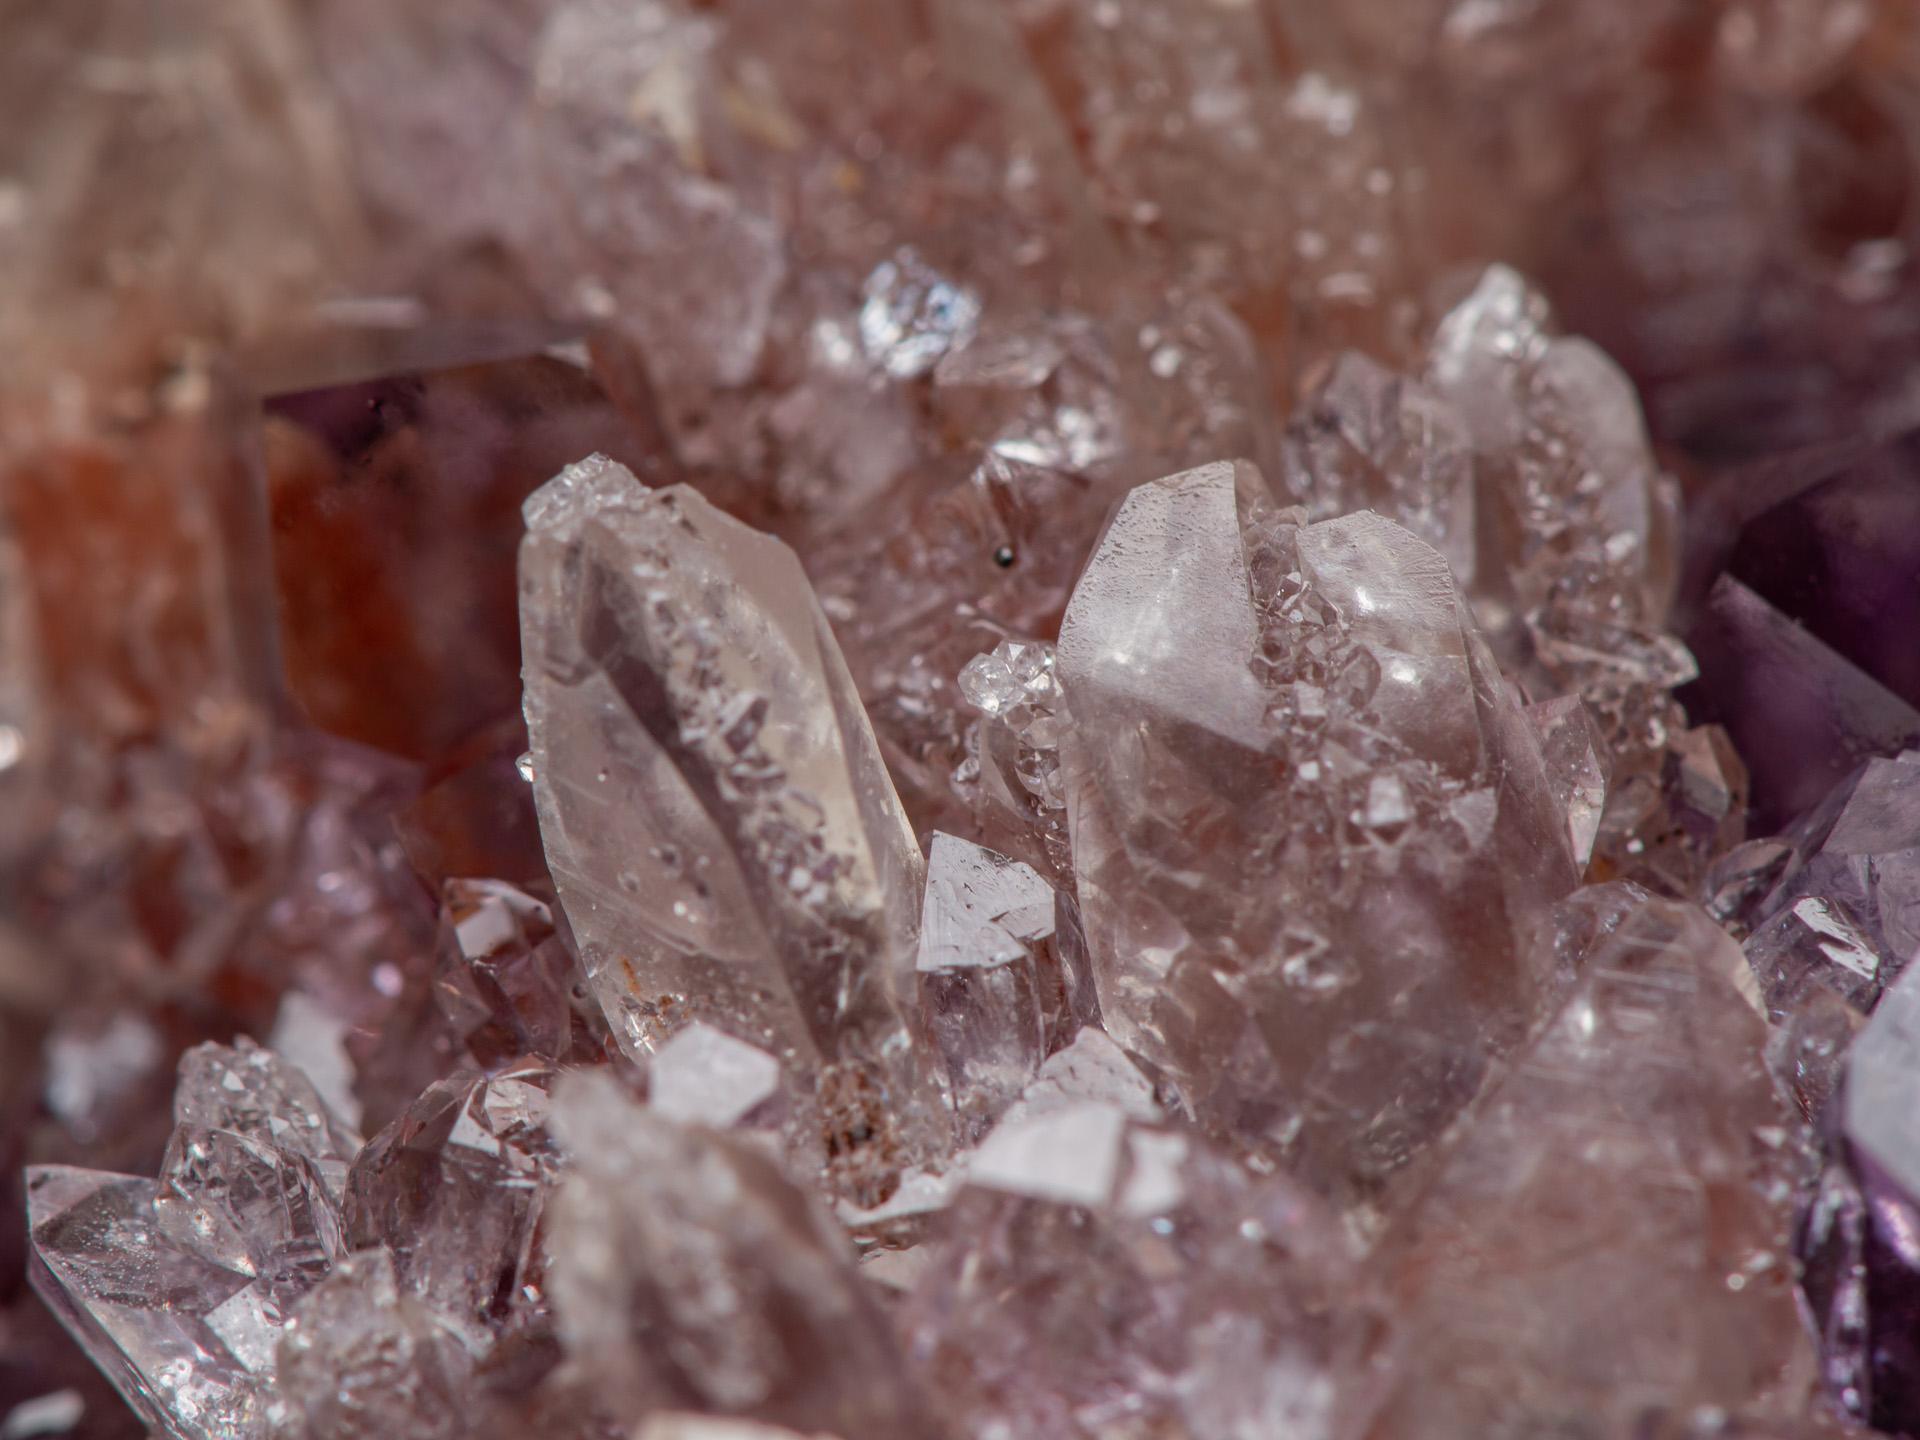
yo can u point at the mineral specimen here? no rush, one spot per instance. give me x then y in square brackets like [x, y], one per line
[970, 721]
[1630, 1159]
[716, 813]
[1862, 1277]
[1311, 825]
[690, 1274]
[998, 989]
[1105, 1272]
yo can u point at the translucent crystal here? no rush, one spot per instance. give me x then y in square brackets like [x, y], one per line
[1311, 825]
[1802, 715]
[362, 1360]
[453, 1191]
[912, 315]
[996, 993]
[254, 1093]
[1629, 1163]
[719, 823]
[689, 1274]
[1577, 763]
[249, 1205]
[505, 975]
[1101, 1267]
[183, 1339]
[1839, 920]
[1371, 439]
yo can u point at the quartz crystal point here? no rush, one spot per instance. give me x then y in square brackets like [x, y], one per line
[453, 1191]
[1578, 764]
[1839, 922]
[183, 1339]
[252, 1175]
[179, 1288]
[506, 976]
[1311, 824]
[1860, 1273]
[252, 1092]
[689, 1274]
[1521, 454]
[1014, 748]
[717, 817]
[363, 1360]
[1099, 1267]
[1628, 1165]
[998, 992]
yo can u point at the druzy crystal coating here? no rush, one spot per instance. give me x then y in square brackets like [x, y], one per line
[959, 720]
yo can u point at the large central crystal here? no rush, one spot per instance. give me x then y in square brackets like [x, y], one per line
[1311, 824]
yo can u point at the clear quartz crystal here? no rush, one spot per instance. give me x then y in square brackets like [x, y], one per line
[689, 1274]
[719, 822]
[505, 976]
[1099, 1266]
[181, 1338]
[1311, 825]
[453, 1192]
[180, 1287]
[997, 991]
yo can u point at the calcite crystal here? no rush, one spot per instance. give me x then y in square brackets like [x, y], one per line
[1311, 825]
[970, 721]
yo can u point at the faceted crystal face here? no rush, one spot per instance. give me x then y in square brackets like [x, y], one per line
[999, 988]
[1245, 1059]
[689, 1274]
[506, 976]
[703, 1076]
[1098, 1266]
[1578, 764]
[249, 1206]
[1311, 825]
[1802, 715]
[1834, 919]
[453, 1191]
[180, 1337]
[254, 1093]
[720, 825]
[1627, 1163]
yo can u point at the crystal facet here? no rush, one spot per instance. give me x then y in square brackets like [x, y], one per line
[718, 819]
[1303, 801]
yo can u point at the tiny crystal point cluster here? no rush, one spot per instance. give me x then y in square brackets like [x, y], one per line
[960, 720]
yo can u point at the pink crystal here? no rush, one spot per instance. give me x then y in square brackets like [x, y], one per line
[1628, 1163]
[1273, 727]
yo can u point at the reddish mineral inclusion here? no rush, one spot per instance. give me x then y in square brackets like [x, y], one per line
[959, 719]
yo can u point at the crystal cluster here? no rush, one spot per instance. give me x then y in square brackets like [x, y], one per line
[959, 719]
